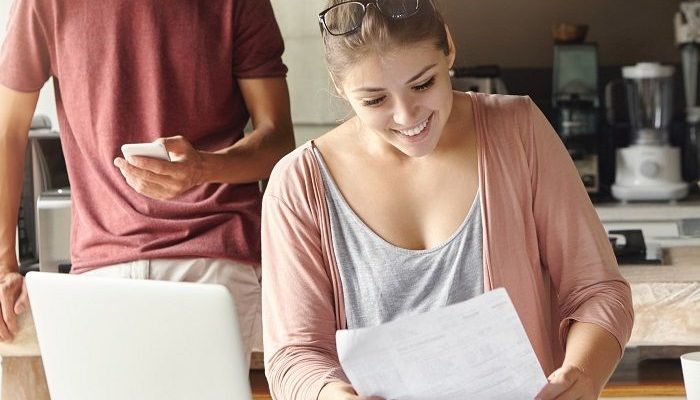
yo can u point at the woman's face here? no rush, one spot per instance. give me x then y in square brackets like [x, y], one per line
[403, 97]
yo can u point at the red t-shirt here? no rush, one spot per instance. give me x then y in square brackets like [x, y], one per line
[133, 71]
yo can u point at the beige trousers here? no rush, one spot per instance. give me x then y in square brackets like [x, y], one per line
[243, 281]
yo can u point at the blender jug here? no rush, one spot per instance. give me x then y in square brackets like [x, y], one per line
[649, 168]
[649, 88]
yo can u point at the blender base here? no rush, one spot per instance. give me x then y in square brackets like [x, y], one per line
[657, 192]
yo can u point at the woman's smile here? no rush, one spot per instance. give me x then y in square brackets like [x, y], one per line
[416, 133]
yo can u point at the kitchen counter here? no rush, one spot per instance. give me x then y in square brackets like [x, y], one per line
[663, 223]
[666, 299]
[680, 265]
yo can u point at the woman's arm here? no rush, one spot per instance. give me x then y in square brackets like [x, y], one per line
[591, 356]
[595, 302]
[299, 315]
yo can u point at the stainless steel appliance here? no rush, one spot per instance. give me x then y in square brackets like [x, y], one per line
[482, 78]
[45, 171]
[650, 168]
[53, 229]
[687, 24]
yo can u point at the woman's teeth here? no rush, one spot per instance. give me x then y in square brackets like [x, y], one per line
[416, 130]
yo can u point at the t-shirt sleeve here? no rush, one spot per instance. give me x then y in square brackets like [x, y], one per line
[258, 44]
[25, 62]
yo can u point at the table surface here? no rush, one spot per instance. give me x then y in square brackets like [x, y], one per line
[633, 378]
[681, 264]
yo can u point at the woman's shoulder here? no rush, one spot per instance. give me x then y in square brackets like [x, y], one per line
[292, 171]
[506, 118]
[503, 108]
[300, 167]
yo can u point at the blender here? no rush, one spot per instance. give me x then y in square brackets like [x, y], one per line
[687, 23]
[649, 169]
[688, 38]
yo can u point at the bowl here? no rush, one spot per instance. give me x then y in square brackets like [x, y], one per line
[569, 33]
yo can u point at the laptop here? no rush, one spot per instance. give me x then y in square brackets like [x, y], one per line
[104, 338]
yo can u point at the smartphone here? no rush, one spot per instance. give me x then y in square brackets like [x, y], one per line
[152, 150]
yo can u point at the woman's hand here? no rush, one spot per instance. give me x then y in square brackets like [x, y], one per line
[341, 391]
[163, 180]
[568, 382]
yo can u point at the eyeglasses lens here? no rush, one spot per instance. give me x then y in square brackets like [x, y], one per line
[344, 18]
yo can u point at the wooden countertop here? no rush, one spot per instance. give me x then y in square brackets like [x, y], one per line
[680, 264]
[633, 378]
[636, 376]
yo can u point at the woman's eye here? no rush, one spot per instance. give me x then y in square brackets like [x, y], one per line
[424, 86]
[373, 102]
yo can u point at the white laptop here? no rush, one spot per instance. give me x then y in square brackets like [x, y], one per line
[103, 338]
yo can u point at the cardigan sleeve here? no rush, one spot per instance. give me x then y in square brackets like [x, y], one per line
[573, 243]
[298, 308]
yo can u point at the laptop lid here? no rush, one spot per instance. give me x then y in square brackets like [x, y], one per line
[104, 338]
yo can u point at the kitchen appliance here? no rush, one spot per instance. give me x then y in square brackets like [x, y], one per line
[53, 230]
[630, 247]
[482, 78]
[649, 169]
[44, 171]
[576, 103]
[687, 24]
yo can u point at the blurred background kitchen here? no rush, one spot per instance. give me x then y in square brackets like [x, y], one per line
[629, 130]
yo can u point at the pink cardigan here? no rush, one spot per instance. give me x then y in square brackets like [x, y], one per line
[543, 242]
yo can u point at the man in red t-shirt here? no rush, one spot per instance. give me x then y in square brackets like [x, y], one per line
[188, 73]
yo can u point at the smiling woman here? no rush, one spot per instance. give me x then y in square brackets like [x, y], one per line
[428, 197]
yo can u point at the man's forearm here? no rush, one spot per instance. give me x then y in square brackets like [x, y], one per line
[16, 110]
[593, 350]
[12, 150]
[251, 158]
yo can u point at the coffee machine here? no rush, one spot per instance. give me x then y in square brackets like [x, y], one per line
[576, 104]
[649, 169]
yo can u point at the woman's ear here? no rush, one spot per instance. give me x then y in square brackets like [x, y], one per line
[451, 46]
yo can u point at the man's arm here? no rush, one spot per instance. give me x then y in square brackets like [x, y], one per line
[248, 160]
[16, 111]
[253, 157]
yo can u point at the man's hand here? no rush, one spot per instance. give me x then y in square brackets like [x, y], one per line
[163, 180]
[341, 391]
[568, 382]
[13, 302]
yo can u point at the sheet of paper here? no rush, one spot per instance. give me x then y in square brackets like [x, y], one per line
[477, 349]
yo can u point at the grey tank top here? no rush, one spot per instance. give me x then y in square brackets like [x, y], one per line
[382, 282]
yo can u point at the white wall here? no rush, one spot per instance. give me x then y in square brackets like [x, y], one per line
[47, 103]
[315, 108]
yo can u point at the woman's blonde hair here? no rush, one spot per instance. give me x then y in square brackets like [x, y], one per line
[379, 34]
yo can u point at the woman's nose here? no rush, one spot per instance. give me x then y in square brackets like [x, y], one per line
[405, 113]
